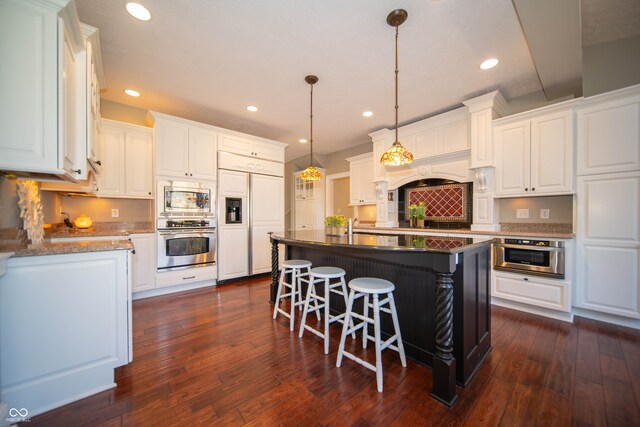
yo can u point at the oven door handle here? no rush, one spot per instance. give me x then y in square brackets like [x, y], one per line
[173, 233]
[531, 248]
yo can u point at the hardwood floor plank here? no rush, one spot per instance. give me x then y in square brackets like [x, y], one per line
[588, 404]
[216, 357]
[617, 403]
[588, 357]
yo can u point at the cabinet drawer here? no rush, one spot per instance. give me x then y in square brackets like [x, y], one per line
[548, 293]
[188, 275]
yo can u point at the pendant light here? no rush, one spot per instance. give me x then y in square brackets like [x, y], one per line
[311, 173]
[396, 155]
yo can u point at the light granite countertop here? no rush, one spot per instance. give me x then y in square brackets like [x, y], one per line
[59, 231]
[74, 247]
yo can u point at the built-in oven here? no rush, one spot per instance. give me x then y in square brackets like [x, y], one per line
[186, 243]
[540, 257]
[181, 198]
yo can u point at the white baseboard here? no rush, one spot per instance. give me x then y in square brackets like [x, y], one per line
[607, 318]
[172, 289]
[540, 311]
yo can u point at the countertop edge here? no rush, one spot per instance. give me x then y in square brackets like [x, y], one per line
[418, 231]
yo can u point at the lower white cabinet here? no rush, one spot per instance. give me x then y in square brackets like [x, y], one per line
[553, 294]
[233, 249]
[608, 244]
[64, 327]
[127, 161]
[143, 264]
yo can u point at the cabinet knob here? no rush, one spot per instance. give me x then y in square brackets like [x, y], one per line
[186, 174]
[98, 162]
[533, 188]
[78, 171]
[190, 174]
[526, 188]
[526, 279]
[149, 192]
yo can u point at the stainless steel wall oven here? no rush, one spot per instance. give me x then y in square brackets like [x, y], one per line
[539, 257]
[185, 243]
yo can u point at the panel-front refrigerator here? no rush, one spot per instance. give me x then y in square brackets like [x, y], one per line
[250, 205]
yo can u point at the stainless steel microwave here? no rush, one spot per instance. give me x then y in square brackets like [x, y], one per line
[181, 198]
[527, 256]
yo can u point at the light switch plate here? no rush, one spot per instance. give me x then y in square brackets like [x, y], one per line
[544, 213]
[522, 213]
[115, 213]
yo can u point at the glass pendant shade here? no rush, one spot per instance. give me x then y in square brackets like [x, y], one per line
[396, 155]
[311, 174]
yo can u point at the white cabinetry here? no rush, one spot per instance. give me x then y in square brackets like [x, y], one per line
[267, 214]
[64, 327]
[609, 244]
[309, 202]
[361, 175]
[609, 133]
[184, 148]
[127, 161]
[538, 291]
[95, 81]
[252, 147]
[143, 268]
[608, 204]
[534, 156]
[43, 86]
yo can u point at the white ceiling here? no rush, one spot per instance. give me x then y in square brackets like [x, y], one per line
[207, 60]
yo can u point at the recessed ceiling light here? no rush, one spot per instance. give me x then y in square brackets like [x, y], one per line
[489, 63]
[138, 11]
[252, 108]
[367, 114]
[304, 141]
[132, 92]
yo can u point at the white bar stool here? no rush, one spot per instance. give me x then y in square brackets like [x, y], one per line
[320, 275]
[295, 267]
[365, 286]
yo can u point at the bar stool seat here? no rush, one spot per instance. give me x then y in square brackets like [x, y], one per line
[319, 275]
[365, 287]
[294, 267]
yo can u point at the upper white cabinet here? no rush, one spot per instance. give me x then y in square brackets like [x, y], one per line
[534, 156]
[184, 148]
[247, 146]
[362, 189]
[609, 132]
[95, 81]
[43, 86]
[127, 161]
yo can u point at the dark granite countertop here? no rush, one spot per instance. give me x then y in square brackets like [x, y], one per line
[556, 231]
[400, 242]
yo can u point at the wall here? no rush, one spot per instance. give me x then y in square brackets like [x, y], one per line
[9, 211]
[611, 65]
[560, 209]
[341, 198]
[99, 209]
[122, 113]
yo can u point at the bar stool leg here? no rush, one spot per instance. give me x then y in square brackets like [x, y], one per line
[327, 291]
[306, 305]
[346, 301]
[365, 333]
[295, 289]
[279, 292]
[345, 328]
[376, 332]
[396, 326]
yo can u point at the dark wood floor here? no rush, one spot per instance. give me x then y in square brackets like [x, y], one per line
[216, 357]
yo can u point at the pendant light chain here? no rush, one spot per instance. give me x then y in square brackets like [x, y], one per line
[311, 130]
[397, 71]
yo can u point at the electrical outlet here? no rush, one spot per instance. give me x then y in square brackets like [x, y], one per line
[522, 213]
[115, 213]
[544, 213]
[370, 214]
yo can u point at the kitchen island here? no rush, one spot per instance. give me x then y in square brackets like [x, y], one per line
[442, 293]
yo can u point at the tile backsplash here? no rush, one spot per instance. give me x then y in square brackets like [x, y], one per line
[448, 202]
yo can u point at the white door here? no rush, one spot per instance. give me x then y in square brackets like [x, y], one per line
[143, 262]
[111, 181]
[202, 153]
[138, 159]
[233, 251]
[172, 148]
[552, 154]
[512, 144]
[232, 184]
